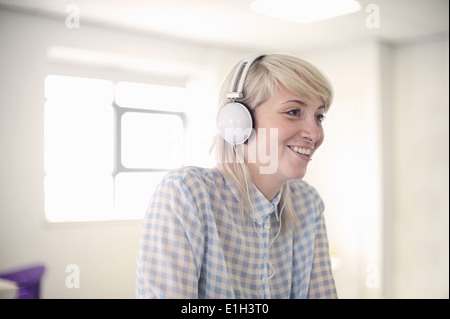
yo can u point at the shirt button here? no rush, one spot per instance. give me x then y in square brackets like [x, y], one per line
[265, 280]
[267, 225]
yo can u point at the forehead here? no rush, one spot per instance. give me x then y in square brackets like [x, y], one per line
[284, 97]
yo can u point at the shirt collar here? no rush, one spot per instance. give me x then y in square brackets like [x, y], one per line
[262, 207]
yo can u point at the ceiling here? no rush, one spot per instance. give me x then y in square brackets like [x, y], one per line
[230, 23]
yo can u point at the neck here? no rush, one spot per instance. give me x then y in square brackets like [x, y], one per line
[266, 183]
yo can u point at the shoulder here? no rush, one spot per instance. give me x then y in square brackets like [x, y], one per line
[192, 172]
[186, 187]
[191, 177]
[300, 186]
[305, 196]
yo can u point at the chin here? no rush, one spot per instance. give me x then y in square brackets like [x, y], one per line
[299, 174]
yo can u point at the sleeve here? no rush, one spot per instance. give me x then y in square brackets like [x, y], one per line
[169, 255]
[321, 284]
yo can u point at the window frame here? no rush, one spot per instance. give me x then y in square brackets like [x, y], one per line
[119, 111]
[118, 166]
[70, 70]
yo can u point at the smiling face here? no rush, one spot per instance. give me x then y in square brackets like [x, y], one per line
[298, 122]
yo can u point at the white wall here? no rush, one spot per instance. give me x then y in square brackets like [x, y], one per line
[420, 267]
[368, 178]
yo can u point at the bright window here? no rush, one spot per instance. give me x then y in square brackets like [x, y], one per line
[151, 140]
[107, 145]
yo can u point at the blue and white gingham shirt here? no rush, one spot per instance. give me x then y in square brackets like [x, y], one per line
[195, 243]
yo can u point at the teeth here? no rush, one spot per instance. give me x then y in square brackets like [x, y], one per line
[300, 150]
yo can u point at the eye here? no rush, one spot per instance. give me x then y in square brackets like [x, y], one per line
[320, 118]
[294, 112]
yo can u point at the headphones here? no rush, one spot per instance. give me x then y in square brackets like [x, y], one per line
[234, 121]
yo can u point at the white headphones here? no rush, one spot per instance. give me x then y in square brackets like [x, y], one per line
[234, 122]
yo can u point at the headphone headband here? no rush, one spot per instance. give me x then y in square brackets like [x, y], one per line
[236, 87]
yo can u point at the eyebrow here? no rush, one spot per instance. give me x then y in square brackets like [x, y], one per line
[295, 101]
[302, 103]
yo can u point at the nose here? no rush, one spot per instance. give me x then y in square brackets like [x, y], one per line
[311, 131]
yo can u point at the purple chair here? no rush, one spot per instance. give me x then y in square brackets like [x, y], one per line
[28, 280]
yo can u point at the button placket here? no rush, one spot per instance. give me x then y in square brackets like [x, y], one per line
[265, 230]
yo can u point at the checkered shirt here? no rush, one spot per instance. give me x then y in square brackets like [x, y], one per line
[196, 244]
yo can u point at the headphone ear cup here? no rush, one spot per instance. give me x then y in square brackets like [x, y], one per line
[235, 123]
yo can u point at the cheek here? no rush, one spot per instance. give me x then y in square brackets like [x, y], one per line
[321, 139]
[269, 135]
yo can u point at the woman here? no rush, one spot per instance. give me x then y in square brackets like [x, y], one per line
[249, 228]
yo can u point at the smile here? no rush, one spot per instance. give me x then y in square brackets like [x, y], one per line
[301, 150]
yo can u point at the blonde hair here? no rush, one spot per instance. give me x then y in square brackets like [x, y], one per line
[265, 76]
